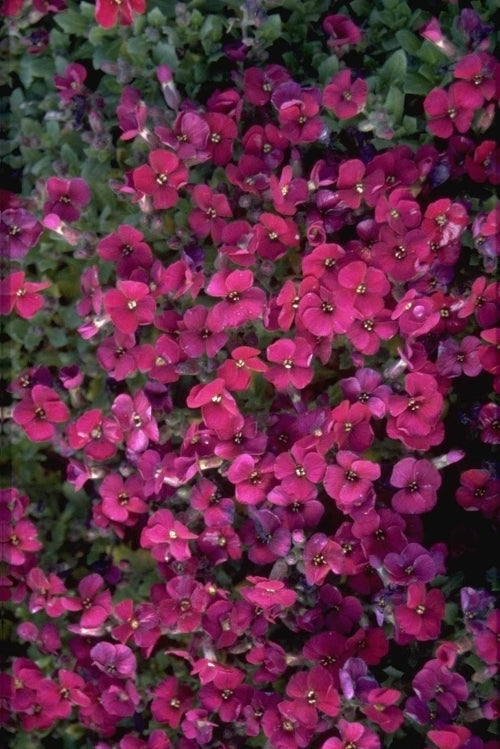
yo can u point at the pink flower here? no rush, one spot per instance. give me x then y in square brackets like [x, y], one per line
[136, 420]
[161, 178]
[421, 616]
[351, 426]
[97, 434]
[167, 537]
[260, 84]
[19, 231]
[130, 305]
[208, 216]
[126, 248]
[350, 481]
[315, 688]
[237, 370]
[272, 235]
[221, 137]
[479, 490]
[118, 661]
[489, 423]
[122, 498]
[171, 699]
[66, 197]
[95, 603]
[286, 727]
[226, 694]
[452, 109]
[17, 541]
[110, 12]
[71, 84]
[183, 603]
[38, 411]
[341, 32]
[290, 363]
[367, 285]
[195, 337]
[418, 481]
[352, 735]
[298, 112]
[345, 97]
[141, 623]
[411, 564]
[252, 477]
[413, 417]
[380, 708]
[241, 303]
[20, 295]
[188, 137]
[486, 642]
[319, 558]
[218, 407]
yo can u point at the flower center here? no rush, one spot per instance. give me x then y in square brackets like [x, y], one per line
[300, 471]
[351, 475]
[412, 487]
[327, 307]
[288, 363]
[413, 405]
[132, 304]
[215, 137]
[161, 179]
[233, 296]
[361, 289]
[318, 560]
[40, 414]
[14, 230]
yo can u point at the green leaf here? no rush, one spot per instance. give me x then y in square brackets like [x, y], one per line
[327, 69]
[394, 69]
[73, 22]
[408, 41]
[416, 84]
[270, 29]
[394, 103]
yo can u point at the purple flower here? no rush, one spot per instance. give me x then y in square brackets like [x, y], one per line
[118, 661]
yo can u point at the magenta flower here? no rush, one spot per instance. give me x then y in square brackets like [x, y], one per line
[421, 616]
[226, 694]
[457, 357]
[252, 477]
[351, 426]
[265, 537]
[288, 192]
[298, 112]
[17, 542]
[368, 286]
[367, 388]
[381, 708]
[437, 682]
[19, 231]
[237, 370]
[418, 481]
[341, 32]
[452, 109]
[66, 197]
[324, 309]
[272, 235]
[350, 481]
[315, 688]
[38, 411]
[97, 434]
[130, 305]
[479, 490]
[195, 337]
[345, 97]
[413, 417]
[161, 178]
[242, 301]
[71, 82]
[319, 558]
[167, 537]
[126, 248]
[141, 623]
[290, 363]
[122, 499]
[188, 137]
[221, 137]
[286, 727]
[353, 735]
[486, 642]
[260, 84]
[489, 423]
[411, 564]
[183, 603]
[482, 302]
[452, 737]
[20, 295]
[135, 417]
[218, 407]
[110, 12]
[118, 661]
[211, 210]
[171, 699]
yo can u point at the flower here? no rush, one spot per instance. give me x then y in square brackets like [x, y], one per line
[452, 109]
[130, 305]
[38, 411]
[161, 178]
[66, 197]
[110, 12]
[345, 97]
[20, 295]
[418, 481]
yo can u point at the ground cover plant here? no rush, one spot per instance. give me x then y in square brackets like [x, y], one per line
[250, 362]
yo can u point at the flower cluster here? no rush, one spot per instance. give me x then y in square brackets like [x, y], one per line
[285, 324]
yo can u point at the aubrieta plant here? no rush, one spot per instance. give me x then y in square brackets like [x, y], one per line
[251, 366]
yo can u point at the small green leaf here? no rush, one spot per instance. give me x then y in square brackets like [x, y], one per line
[327, 69]
[394, 69]
[72, 22]
[416, 84]
[408, 41]
[270, 29]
